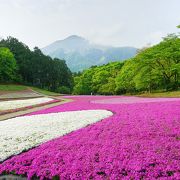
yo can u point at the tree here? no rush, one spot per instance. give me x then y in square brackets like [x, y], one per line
[38, 69]
[125, 78]
[109, 87]
[8, 66]
[97, 79]
[83, 83]
[22, 55]
[163, 61]
[63, 90]
[59, 75]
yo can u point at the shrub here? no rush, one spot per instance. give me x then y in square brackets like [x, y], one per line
[63, 90]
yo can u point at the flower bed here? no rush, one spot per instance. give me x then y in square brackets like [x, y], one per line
[132, 100]
[31, 131]
[25, 107]
[28, 107]
[15, 104]
[140, 141]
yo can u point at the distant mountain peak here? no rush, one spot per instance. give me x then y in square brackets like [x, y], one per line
[71, 38]
[74, 37]
[80, 54]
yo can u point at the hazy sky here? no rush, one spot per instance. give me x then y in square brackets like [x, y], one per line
[108, 22]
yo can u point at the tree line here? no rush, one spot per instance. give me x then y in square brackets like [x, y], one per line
[19, 64]
[153, 68]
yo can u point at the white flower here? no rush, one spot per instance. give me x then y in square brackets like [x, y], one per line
[22, 133]
[14, 104]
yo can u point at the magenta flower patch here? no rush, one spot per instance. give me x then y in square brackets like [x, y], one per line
[140, 141]
[131, 100]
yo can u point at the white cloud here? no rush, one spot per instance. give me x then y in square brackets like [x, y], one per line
[112, 22]
[155, 37]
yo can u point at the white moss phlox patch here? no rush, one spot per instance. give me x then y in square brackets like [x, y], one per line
[22, 133]
[14, 104]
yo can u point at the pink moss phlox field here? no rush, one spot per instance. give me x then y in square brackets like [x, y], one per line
[140, 141]
[130, 100]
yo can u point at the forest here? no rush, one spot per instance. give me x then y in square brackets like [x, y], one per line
[18, 64]
[155, 68]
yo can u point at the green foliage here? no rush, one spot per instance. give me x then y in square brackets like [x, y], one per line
[108, 88]
[83, 83]
[12, 87]
[36, 69]
[63, 90]
[157, 67]
[8, 65]
[124, 80]
[97, 79]
[153, 68]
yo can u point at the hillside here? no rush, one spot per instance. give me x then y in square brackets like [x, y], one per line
[16, 88]
[80, 54]
[20, 64]
[154, 69]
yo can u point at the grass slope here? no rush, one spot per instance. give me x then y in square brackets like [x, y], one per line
[46, 92]
[12, 87]
[161, 94]
[15, 87]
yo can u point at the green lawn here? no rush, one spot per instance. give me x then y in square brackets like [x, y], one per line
[12, 87]
[161, 94]
[43, 91]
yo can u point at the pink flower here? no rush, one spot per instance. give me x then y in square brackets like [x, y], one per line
[139, 141]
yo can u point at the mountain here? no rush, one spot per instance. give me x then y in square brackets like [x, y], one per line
[80, 54]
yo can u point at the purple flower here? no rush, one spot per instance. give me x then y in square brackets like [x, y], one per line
[141, 140]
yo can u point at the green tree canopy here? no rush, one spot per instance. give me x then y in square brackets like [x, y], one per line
[38, 69]
[8, 65]
[153, 68]
[97, 79]
[157, 67]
